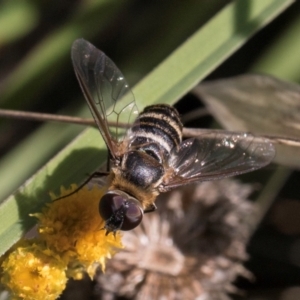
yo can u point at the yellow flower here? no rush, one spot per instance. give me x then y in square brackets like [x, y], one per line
[73, 227]
[33, 271]
[70, 242]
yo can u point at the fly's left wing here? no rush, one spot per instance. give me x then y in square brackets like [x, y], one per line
[106, 91]
[213, 156]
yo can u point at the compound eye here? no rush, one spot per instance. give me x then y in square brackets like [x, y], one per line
[133, 216]
[109, 204]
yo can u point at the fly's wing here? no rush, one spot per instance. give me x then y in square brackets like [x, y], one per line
[213, 156]
[106, 91]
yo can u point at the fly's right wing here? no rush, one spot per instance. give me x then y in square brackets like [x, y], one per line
[107, 93]
[215, 155]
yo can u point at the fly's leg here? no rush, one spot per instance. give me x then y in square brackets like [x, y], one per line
[95, 174]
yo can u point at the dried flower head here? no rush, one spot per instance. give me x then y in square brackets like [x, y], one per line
[193, 248]
[70, 243]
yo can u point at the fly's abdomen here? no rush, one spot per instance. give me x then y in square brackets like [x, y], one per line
[159, 130]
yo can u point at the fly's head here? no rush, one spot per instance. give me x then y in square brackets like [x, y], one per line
[120, 211]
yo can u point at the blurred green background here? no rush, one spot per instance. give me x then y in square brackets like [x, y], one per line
[36, 75]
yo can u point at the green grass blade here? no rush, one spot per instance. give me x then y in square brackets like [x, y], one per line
[15, 167]
[198, 56]
[206, 50]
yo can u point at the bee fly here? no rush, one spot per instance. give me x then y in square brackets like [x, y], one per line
[151, 157]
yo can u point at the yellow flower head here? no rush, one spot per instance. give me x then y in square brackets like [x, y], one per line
[70, 242]
[73, 227]
[33, 271]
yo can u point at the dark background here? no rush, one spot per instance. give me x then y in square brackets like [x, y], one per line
[137, 35]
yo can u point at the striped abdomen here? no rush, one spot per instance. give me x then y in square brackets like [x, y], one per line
[158, 130]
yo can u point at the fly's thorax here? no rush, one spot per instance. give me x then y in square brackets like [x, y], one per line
[142, 169]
